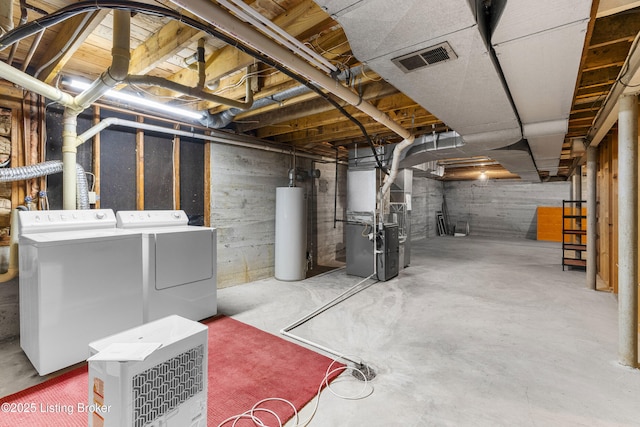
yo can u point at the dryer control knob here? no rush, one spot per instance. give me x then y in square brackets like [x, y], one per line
[100, 215]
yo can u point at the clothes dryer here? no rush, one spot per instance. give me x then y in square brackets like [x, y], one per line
[179, 264]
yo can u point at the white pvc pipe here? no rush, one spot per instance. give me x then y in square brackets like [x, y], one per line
[69, 154]
[29, 83]
[219, 137]
[113, 75]
[628, 231]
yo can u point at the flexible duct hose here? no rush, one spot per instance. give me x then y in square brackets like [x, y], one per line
[49, 168]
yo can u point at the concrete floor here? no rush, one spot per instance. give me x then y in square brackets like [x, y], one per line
[476, 332]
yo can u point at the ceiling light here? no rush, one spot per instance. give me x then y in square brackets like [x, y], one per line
[146, 103]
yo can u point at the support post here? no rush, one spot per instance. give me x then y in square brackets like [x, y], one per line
[628, 231]
[592, 259]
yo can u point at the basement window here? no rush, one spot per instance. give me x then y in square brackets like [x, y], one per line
[425, 57]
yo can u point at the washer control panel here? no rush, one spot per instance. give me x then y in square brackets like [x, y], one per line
[65, 220]
[159, 218]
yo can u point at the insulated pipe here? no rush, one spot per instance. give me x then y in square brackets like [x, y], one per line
[193, 91]
[221, 19]
[628, 231]
[592, 221]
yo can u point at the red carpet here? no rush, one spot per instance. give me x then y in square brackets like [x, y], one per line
[246, 365]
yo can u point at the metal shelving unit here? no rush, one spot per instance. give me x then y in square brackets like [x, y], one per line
[574, 234]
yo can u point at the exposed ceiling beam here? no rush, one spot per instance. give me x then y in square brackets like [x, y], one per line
[611, 7]
[71, 36]
[160, 46]
[229, 59]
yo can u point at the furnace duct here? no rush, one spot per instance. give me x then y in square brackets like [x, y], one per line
[49, 168]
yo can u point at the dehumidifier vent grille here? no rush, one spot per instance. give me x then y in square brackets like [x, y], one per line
[164, 387]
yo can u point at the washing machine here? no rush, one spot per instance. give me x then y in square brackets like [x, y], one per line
[80, 280]
[179, 264]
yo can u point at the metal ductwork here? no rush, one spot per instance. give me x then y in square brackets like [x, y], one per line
[49, 168]
[224, 118]
[470, 71]
[539, 46]
[461, 85]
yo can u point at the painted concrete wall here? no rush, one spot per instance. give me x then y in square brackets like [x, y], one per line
[243, 202]
[328, 240]
[426, 201]
[504, 208]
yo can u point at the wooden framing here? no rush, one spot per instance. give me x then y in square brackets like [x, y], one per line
[139, 166]
[176, 169]
[96, 155]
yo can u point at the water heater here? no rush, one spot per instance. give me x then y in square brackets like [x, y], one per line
[291, 234]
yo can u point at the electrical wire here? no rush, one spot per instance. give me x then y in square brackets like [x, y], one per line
[93, 179]
[244, 79]
[366, 391]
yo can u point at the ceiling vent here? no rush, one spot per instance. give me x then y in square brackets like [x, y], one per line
[426, 57]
